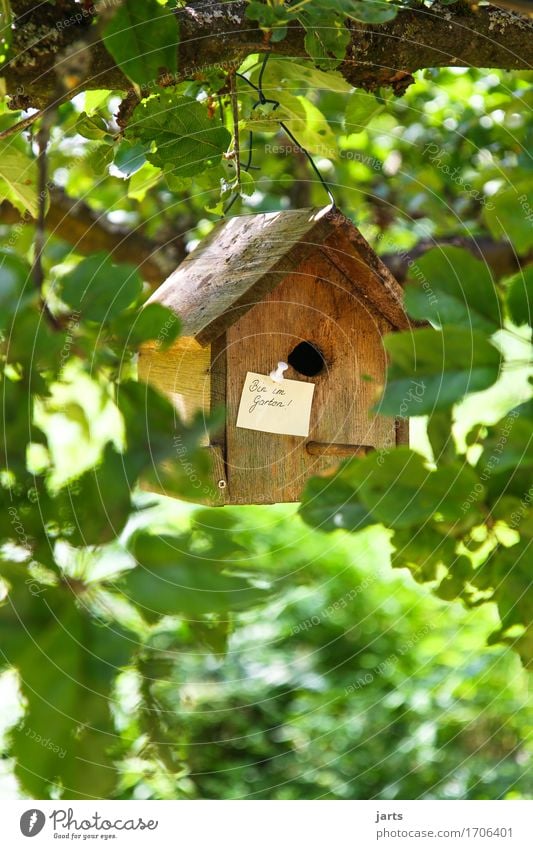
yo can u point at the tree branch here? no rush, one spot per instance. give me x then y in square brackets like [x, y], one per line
[74, 222]
[218, 34]
[500, 257]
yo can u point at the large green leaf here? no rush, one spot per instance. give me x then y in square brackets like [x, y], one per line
[509, 443]
[154, 322]
[330, 503]
[100, 290]
[372, 11]
[507, 572]
[161, 449]
[95, 507]
[510, 215]
[401, 491]
[326, 36]
[432, 370]
[520, 296]
[67, 662]
[143, 39]
[18, 179]
[170, 579]
[422, 550]
[362, 106]
[305, 121]
[285, 70]
[186, 138]
[15, 285]
[450, 287]
[397, 489]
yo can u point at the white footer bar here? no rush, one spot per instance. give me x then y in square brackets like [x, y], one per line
[270, 825]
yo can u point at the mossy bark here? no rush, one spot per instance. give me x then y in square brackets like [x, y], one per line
[219, 35]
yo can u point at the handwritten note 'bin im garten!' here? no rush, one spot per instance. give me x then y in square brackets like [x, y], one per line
[275, 407]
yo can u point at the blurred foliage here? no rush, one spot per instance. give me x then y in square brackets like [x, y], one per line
[169, 653]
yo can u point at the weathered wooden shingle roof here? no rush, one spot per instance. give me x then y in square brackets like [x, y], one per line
[246, 257]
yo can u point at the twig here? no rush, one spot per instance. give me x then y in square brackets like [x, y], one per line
[43, 137]
[21, 125]
[235, 113]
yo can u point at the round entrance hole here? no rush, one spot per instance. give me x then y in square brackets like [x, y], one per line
[306, 359]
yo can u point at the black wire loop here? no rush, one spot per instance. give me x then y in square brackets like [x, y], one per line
[262, 101]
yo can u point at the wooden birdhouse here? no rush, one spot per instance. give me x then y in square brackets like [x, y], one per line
[301, 287]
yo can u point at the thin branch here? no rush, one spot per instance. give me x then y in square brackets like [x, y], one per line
[88, 232]
[43, 137]
[21, 125]
[235, 113]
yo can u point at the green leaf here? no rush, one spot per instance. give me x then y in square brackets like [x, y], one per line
[285, 70]
[152, 322]
[31, 341]
[143, 40]
[267, 16]
[15, 285]
[519, 296]
[129, 158]
[360, 110]
[510, 215]
[326, 37]
[6, 18]
[509, 443]
[67, 669]
[143, 180]
[100, 290]
[186, 138]
[432, 369]
[402, 492]
[450, 287]
[161, 449]
[422, 552]
[507, 572]
[439, 430]
[92, 127]
[247, 184]
[330, 503]
[98, 158]
[372, 11]
[18, 179]
[306, 122]
[169, 579]
[94, 508]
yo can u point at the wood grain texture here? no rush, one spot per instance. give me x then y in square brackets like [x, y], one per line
[241, 260]
[246, 257]
[336, 449]
[316, 304]
[218, 376]
[182, 371]
[257, 287]
[349, 251]
[402, 431]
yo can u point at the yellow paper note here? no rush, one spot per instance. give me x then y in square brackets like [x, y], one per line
[275, 407]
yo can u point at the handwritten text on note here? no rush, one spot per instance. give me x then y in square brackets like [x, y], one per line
[275, 407]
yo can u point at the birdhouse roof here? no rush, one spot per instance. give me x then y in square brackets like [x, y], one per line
[246, 257]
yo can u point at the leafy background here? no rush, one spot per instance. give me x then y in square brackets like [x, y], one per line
[370, 643]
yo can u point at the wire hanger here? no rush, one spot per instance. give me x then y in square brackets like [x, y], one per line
[275, 104]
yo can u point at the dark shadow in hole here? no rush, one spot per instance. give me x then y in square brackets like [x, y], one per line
[306, 359]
